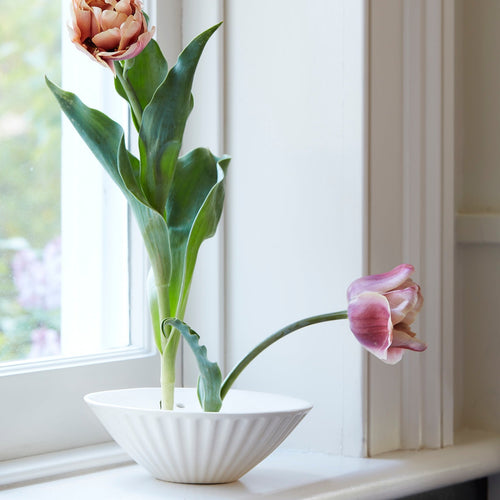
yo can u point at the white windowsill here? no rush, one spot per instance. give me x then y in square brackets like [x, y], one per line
[284, 475]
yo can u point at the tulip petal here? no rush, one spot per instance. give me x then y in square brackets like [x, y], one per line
[394, 355]
[96, 22]
[124, 7]
[403, 340]
[402, 302]
[410, 317]
[112, 19]
[380, 283]
[370, 322]
[82, 25]
[108, 39]
[137, 47]
[129, 31]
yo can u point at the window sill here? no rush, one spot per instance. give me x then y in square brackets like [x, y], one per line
[284, 475]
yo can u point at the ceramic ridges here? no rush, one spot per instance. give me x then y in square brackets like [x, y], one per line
[197, 447]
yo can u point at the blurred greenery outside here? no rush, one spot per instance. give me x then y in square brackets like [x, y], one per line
[29, 158]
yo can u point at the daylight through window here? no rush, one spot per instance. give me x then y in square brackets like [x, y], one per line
[63, 225]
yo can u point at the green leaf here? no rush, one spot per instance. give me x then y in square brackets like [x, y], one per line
[145, 72]
[156, 239]
[194, 208]
[105, 138]
[163, 123]
[210, 379]
[128, 168]
[101, 133]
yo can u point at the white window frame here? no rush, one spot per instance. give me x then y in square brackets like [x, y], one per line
[42, 399]
[412, 125]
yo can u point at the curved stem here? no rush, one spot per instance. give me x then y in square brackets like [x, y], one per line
[229, 380]
[135, 105]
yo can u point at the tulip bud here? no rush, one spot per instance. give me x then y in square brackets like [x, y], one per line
[381, 309]
[109, 30]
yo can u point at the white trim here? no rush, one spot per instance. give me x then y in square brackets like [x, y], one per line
[286, 474]
[432, 255]
[385, 200]
[354, 403]
[47, 364]
[51, 465]
[422, 209]
[418, 226]
[448, 223]
[413, 187]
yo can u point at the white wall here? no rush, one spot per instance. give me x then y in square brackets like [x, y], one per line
[293, 219]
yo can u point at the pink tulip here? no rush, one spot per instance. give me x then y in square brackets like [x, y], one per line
[110, 30]
[381, 309]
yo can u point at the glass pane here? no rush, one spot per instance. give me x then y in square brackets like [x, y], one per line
[30, 137]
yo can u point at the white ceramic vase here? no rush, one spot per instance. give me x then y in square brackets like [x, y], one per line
[187, 445]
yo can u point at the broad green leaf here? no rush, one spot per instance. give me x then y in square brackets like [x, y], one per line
[163, 123]
[194, 208]
[145, 72]
[204, 227]
[128, 168]
[105, 138]
[101, 133]
[156, 239]
[210, 379]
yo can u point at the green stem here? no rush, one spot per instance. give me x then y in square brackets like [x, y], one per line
[135, 105]
[163, 309]
[169, 344]
[229, 380]
[168, 371]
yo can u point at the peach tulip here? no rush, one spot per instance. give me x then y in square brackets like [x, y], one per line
[109, 30]
[381, 309]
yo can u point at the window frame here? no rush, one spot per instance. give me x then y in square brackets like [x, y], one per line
[379, 391]
[412, 211]
[43, 399]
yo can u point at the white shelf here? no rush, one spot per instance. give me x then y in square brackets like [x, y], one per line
[293, 475]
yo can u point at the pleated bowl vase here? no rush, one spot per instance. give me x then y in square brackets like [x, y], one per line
[187, 445]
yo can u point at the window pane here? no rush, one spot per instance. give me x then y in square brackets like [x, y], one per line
[63, 224]
[30, 134]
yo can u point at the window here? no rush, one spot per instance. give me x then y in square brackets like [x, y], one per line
[63, 229]
[307, 210]
[70, 259]
[30, 138]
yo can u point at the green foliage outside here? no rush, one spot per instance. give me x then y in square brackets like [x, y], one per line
[29, 154]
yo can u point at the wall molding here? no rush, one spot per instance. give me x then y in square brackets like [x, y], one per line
[412, 88]
[62, 463]
[428, 215]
